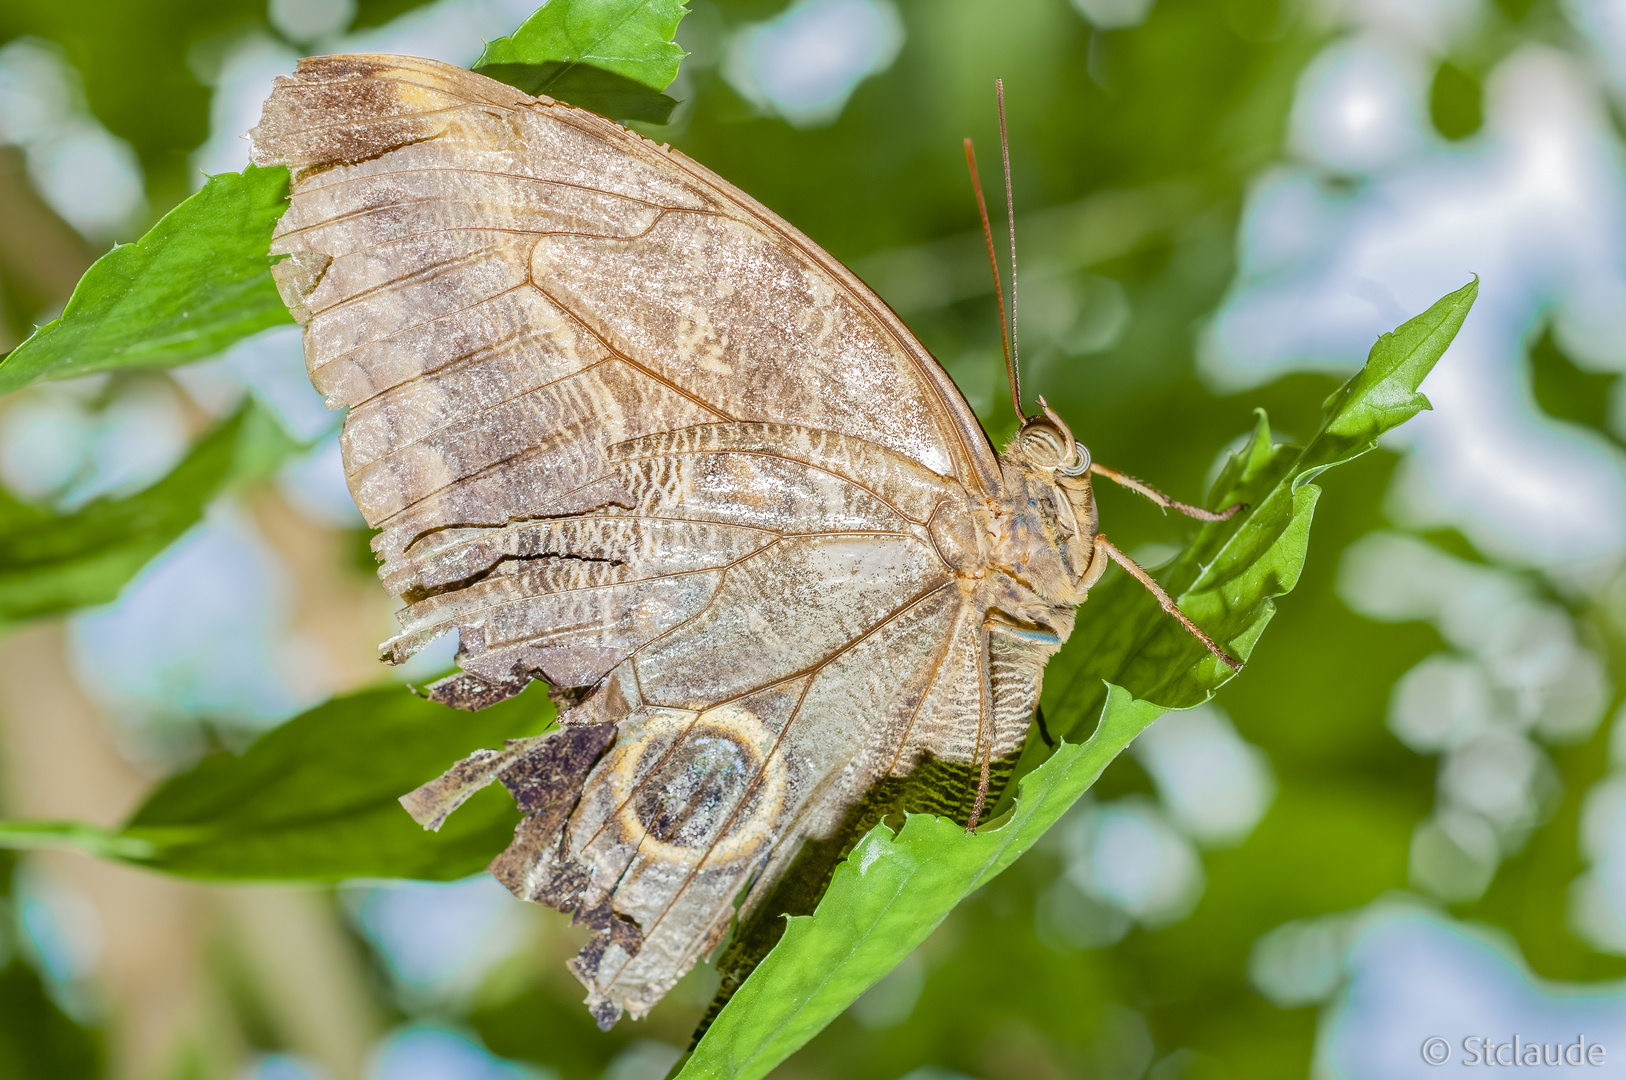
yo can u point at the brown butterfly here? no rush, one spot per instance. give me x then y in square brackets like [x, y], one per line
[626, 431]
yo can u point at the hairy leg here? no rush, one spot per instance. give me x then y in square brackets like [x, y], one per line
[1161, 499]
[1166, 602]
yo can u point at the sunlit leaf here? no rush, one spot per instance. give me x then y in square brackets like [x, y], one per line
[51, 563]
[196, 282]
[316, 799]
[894, 890]
[611, 56]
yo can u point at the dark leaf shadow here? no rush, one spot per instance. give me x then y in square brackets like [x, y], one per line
[587, 87]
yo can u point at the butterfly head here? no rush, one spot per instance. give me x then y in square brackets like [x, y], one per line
[1053, 518]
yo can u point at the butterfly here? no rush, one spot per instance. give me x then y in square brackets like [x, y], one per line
[626, 431]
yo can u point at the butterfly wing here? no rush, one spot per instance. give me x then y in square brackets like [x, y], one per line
[625, 430]
[499, 288]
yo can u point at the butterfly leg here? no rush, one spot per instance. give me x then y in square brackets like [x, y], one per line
[1140, 488]
[1012, 666]
[1164, 600]
[985, 733]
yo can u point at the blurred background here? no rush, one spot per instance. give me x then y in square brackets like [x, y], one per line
[1407, 818]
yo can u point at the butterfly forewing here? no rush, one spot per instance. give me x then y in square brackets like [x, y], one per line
[624, 430]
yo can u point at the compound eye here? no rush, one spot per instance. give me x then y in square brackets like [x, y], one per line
[1080, 463]
[1043, 445]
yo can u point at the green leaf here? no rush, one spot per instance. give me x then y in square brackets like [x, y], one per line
[316, 799]
[892, 891]
[196, 282]
[51, 563]
[1227, 577]
[628, 37]
[611, 56]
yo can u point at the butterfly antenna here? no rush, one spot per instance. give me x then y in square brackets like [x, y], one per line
[999, 287]
[1013, 361]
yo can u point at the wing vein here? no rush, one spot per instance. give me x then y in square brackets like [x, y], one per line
[756, 780]
[877, 496]
[423, 273]
[663, 380]
[418, 326]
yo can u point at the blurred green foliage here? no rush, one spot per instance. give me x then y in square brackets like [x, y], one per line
[1149, 134]
[52, 563]
[1566, 392]
[144, 67]
[1455, 102]
[318, 798]
[38, 1041]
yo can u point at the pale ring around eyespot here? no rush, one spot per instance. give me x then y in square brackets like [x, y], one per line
[741, 727]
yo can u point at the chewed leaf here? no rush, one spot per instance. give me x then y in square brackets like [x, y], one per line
[196, 282]
[893, 890]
